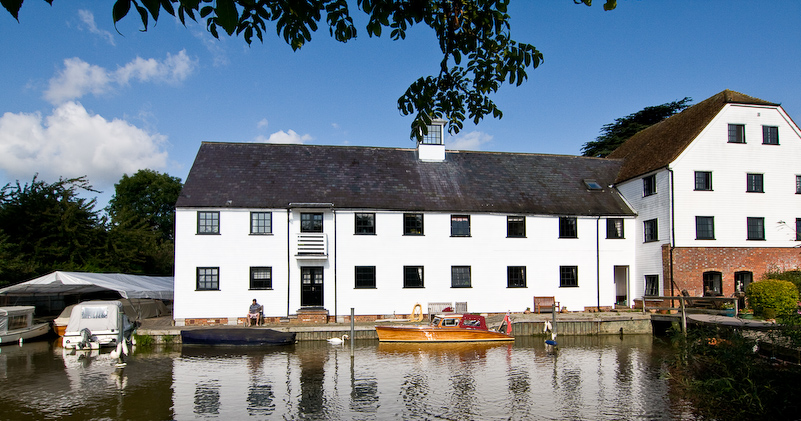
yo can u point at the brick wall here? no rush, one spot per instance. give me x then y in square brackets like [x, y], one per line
[690, 263]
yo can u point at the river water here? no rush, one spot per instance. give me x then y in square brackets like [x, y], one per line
[586, 378]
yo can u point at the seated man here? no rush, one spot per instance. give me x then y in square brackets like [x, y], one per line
[254, 313]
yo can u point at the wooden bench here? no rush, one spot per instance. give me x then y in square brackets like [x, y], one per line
[545, 304]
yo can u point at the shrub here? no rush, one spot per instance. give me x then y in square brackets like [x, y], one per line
[793, 276]
[772, 297]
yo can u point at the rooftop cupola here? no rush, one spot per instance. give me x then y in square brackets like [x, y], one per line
[431, 145]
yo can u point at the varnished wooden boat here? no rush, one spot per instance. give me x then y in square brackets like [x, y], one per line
[444, 328]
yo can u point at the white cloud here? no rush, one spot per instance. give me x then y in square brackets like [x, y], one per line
[88, 19]
[76, 80]
[79, 78]
[472, 141]
[284, 137]
[262, 123]
[72, 142]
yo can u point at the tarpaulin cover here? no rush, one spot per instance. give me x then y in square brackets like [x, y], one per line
[97, 316]
[6, 312]
[128, 286]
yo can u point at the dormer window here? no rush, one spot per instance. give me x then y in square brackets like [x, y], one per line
[434, 135]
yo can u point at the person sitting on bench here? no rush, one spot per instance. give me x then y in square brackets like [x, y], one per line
[255, 313]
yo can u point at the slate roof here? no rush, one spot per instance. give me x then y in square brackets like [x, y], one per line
[659, 145]
[258, 175]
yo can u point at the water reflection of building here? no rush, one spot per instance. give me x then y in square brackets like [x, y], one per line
[587, 378]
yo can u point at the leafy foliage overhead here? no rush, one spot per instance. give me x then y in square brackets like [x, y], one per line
[478, 52]
[614, 134]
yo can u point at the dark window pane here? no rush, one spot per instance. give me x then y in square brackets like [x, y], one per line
[365, 223]
[516, 276]
[567, 227]
[460, 225]
[460, 277]
[515, 226]
[413, 277]
[365, 277]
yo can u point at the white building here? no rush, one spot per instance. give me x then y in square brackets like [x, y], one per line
[323, 229]
[717, 190]
[302, 227]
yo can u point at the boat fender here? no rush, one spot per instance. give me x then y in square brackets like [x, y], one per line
[547, 327]
[417, 313]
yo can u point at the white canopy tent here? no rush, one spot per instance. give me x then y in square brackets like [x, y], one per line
[128, 286]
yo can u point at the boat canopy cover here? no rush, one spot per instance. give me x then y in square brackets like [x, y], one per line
[97, 316]
[128, 286]
[6, 312]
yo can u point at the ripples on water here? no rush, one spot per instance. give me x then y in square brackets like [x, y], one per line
[588, 378]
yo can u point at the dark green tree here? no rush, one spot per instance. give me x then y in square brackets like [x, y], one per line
[614, 134]
[142, 228]
[47, 227]
[146, 197]
[474, 36]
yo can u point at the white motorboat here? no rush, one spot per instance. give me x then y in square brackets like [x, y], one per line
[16, 323]
[95, 324]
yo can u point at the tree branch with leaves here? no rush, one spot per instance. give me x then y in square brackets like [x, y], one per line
[474, 36]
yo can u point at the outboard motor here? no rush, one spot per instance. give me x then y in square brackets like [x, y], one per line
[86, 339]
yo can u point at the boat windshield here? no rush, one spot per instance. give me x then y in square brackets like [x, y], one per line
[94, 313]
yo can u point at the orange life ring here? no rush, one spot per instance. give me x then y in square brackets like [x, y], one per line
[417, 313]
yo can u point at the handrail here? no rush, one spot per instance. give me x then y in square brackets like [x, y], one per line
[684, 301]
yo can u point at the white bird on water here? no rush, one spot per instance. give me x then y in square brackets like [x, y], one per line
[337, 341]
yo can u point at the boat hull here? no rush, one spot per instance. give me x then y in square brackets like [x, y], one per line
[437, 334]
[34, 331]
[237, 336]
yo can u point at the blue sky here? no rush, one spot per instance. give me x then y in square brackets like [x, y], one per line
[78, 98]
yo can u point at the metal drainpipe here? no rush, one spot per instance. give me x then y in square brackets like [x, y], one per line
[288, 261]
[598, 262]
[334, 211]
[672, 231]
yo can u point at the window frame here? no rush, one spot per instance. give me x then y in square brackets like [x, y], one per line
[212, 284]
[703, 181]
[568, 227]
[517, 221]
[651, 285]
[361, 228]
[568, 277]
[461, 280]
[612, 231]
[364, 277]
[798, 184]
[261, 226]
[311, 222]
[704, 227]
[755, 228]
[419, 273]
[754, 183]
[770, 135]
[736, 133]
[650, 230]
[797, 229]
[253, 280]
[413, 222]
[516, 277]
[649, 185]
[206, 225]
[713, 280]
[742, 279]
[458, 225]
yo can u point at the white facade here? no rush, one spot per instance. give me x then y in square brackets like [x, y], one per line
[677, 200]
[487, 251]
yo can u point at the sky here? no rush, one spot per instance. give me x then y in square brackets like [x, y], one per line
[81, 98]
